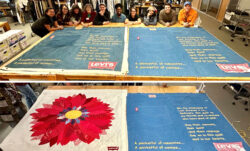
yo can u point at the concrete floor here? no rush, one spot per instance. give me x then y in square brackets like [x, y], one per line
[211, 25]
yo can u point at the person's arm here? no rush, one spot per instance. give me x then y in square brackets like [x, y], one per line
[83, 17]
[92, 18]
[72, 19]
[173, 19]
[181, 17]
[107, 16]
[97, 20]
[146, 20]
[56, 24]
[68, 22]
[47, 26]
[155, 21]
[194, 17]
[79, 22]
[126, 21]
[138, 21]
[59, 20]
[113, 19]
[161, 19]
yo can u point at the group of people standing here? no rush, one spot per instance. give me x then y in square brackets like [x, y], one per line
[87, 17]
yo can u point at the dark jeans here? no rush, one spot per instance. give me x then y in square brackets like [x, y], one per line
[40, 33]
[29, 94]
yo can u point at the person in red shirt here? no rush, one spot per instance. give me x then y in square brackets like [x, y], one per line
[88, 15]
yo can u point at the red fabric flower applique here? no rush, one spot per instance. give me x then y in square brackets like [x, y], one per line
[69, 119]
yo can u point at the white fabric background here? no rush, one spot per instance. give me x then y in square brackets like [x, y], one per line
[20, 137]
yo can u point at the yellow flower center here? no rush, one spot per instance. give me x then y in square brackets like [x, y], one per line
[73, 114]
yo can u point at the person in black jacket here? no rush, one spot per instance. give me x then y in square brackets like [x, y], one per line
[103, 17]
[46, 24]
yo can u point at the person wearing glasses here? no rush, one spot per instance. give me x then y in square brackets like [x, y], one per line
[88, 15]
[46, 24]
[133, 18]
[63, 16]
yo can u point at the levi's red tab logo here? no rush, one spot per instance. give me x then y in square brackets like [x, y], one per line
[114, 148]
[234, 146]
[234, 68]
[102, 65]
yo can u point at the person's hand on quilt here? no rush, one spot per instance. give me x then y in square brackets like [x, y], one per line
[70, 23]
[106, 23]
[60, 27]
[148, 15]
[75, 23]
[186, 24]
[167, 24]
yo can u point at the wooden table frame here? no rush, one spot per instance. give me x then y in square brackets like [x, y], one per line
[104, 77]
[134, 89]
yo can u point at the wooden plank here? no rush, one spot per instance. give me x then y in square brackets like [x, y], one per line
[5, 26]
[134, 89]
[222, 10]
[6, 7]
[3, 9]
[196, 4]
[54, 77]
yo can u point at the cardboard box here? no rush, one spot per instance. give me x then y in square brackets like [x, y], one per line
[19, 33]
[23, 44]
[5, 54]
[3, 43]
[13, 36]
[15, 48]
[12, 40]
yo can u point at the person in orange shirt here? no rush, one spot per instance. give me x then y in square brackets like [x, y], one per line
[187, 16]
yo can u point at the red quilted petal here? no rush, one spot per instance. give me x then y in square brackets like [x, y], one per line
[73, 119]
[78, 100]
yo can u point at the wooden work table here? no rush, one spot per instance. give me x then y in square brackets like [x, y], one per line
[134, 89]
[103, 77]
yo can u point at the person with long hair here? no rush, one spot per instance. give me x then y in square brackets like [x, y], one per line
[133, 19]
[63, 16]
[46, 24]
[75, 15]
[151, 18]
[88, 15]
